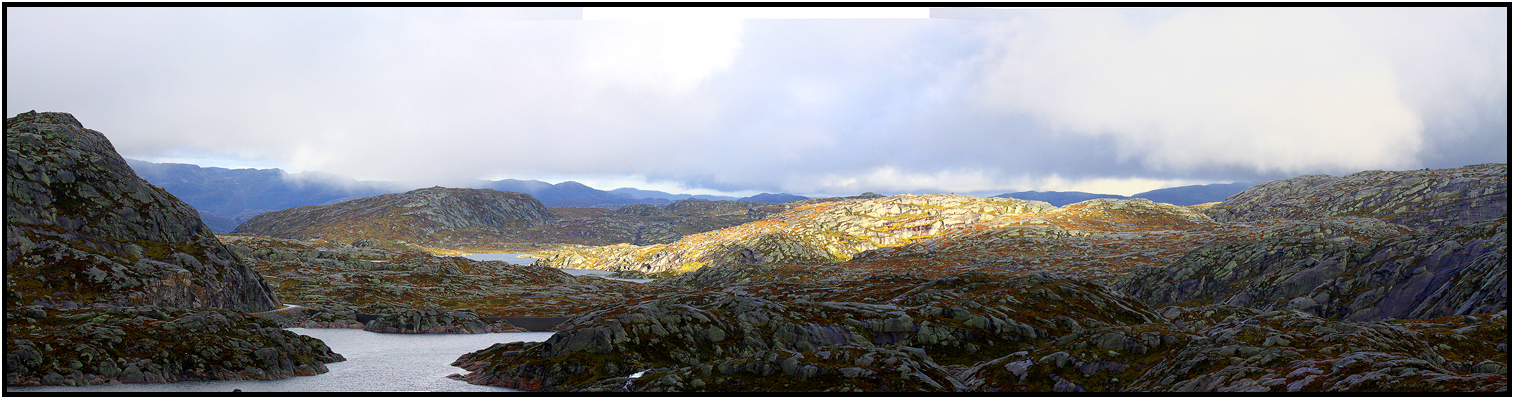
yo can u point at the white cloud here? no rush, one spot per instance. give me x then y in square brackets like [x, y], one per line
[1118, 186]
[1126, 98]
[675, 55]
[1287, 90]
[894, 180]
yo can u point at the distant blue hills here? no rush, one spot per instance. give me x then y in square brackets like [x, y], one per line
[1182, 196]
[228, 197]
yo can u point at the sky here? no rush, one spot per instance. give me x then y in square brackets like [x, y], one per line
[810, 102]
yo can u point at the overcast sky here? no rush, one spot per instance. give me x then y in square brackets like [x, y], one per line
[1111, 101]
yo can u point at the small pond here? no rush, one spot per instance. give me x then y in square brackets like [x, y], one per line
[375, 363]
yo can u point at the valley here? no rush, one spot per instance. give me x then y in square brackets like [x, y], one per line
[1378, 281]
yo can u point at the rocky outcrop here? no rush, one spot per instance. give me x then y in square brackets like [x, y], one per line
[82, 230]
[436, 321]
[1342, 268]
[50, 346]
[988, 333]
[1220, 348]
[436, 215]
[816, 230]
[804, 337]
[1422, 199]
[644, 224]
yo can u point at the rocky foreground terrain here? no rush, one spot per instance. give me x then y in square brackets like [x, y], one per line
[110, 279]
[1396, 287]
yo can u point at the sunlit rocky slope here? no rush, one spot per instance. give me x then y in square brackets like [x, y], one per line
[110, 279]
[1394, 287]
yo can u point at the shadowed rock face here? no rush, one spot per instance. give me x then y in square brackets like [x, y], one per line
[436, 321]
[152, 344]
[1422, 199]
[1342, 268]
[81, 229]
[987, 333]
[808, 337]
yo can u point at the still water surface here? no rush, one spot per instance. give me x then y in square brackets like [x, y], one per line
[375, 362]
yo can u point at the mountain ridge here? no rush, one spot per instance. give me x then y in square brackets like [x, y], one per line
[1181, 195]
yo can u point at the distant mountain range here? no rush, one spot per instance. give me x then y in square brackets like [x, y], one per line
[654, 194]
[227, 197]
[1181, 196]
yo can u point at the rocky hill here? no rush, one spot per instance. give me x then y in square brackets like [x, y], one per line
[1098, 240]
[826, 231]
[643, 224]
[1343, 268]
[81, 229]
[481, 220]
[1194, 195]
[565, 194]
[1422, 199]
[110, 279]
[437, 216]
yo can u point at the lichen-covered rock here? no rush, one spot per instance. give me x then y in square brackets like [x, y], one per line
[811, 337]
[436, 321]
[56, 346]
[828, 231]
[1342, 268]
[1222, 348]
[429, 214]
[1422, 199]
[82, 230]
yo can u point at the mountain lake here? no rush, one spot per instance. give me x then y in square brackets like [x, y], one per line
[375, 363]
